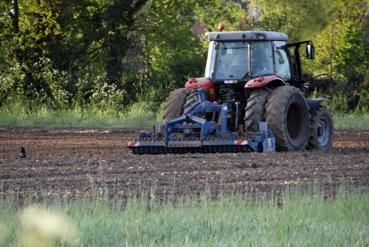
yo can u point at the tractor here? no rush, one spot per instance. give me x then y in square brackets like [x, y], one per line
[250, 98]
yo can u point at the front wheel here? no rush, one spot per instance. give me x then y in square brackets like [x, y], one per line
[320, 130]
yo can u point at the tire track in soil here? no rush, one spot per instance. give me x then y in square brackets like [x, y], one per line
[70, 161]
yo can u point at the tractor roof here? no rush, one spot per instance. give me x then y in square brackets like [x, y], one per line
[245, 35]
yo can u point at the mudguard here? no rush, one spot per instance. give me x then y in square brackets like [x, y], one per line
[314, 103]
[202, 82]
[262, 81]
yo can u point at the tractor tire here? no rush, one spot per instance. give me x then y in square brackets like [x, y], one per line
[255, 109]
[288, 118]
[191, 98]
[320, 130]
[173, 107]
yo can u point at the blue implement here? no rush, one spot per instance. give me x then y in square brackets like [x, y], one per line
[196, 132]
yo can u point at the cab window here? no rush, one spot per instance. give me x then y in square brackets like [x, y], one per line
[261, 58]
[282, 64]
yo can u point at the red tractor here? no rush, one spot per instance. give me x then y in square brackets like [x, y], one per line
[251, 77]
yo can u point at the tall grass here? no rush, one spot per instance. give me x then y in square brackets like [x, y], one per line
[351, 121]
[138, 115]
[344, 118]
[231, 220]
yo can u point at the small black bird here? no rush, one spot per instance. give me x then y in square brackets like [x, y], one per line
[22, 153]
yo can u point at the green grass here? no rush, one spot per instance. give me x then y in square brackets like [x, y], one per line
[351, 121]
[136, 116]
[301, 220]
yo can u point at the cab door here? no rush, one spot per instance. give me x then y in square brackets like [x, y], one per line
[282, 61]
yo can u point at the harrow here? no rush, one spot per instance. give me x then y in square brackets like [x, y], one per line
[203, 128]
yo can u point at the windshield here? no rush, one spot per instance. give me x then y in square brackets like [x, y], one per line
[231, 61]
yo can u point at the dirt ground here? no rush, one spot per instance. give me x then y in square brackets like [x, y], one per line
[72, 161]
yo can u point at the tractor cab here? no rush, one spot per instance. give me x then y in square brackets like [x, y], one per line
[241, 56]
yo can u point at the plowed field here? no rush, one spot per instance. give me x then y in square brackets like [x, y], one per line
[72, 161]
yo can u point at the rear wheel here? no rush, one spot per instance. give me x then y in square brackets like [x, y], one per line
[320, 130]
[191, 98]
[287, 116]
[255, 109]
[175, 103]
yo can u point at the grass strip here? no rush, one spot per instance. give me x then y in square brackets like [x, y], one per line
[136, 116]
[295, 219]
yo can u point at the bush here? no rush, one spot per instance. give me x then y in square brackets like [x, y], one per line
[107, 98]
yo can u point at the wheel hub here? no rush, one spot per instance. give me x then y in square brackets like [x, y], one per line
[323, 133]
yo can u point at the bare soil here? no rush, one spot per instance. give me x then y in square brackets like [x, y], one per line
[71, 162]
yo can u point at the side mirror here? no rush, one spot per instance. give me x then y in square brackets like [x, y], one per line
[310, 51]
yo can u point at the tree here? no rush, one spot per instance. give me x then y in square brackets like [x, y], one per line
[119, 17]
[172, 51]
[300, 19]
[59, 44]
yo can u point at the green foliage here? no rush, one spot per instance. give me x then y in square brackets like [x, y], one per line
[59, 46]
[298, 18]
[342, 53]
[172, 51]
[351, 121]
[339, 30]
[174, 54]
[18, 114]
[138, 115]
[363, 103]
[11, 79]
[107, 97]
[108, 54]
[339, 103]
[295, 218]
